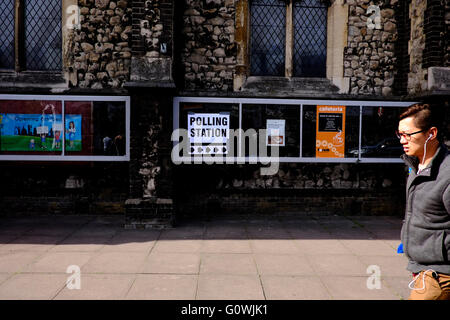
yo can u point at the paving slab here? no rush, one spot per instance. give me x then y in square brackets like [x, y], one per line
[229, 287]
[226, 246]
[132, 241]
[282, 264]
[355, 288]
[16, 261]
[163, 287]
[58, 262]
[294, 288]
[115, 262]
[30, 286]
[304, 258]
[99, 287]
[32, 243]
[177, 263]
[81, 243]
[178, 245]
[339, 265]
[321, 246]
[228, 263]
[271, 246]
[374, 247]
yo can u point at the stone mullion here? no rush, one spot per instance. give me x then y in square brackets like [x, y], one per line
[18, 35]
[289, 40]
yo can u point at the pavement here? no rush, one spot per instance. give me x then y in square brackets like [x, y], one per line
[305, 258]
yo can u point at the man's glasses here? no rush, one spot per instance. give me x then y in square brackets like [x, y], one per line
[407, 136]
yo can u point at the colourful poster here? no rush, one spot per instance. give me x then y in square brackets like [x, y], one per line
[330, 132]
[34, 132]
[73, 132]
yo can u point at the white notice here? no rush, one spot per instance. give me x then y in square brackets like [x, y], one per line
[275, 133]
[208, 127]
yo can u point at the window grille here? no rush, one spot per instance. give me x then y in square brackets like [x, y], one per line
[310, 38]
[43, 43]
[268, 34]
[7, 34]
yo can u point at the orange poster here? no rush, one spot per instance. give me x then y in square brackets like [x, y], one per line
[330, 132]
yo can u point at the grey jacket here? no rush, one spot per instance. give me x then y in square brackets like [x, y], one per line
[426, 229]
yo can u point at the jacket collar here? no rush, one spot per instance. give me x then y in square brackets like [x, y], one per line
[413, 162]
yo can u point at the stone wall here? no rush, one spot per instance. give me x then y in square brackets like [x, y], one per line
[57, 188]
[300, 188]
[369, 59]
[209, 53]
[101, 49]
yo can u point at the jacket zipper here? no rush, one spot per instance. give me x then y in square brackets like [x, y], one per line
[408, 222]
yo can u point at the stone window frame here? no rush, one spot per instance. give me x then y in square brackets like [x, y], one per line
[337, 30]
[19, 76]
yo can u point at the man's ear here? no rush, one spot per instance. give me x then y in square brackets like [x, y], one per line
[433, 133]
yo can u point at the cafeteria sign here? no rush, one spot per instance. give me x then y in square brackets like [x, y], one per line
[330, 132]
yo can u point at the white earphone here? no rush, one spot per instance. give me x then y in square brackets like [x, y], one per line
[425, 148]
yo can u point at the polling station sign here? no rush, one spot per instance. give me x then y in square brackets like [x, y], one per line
[208, 127]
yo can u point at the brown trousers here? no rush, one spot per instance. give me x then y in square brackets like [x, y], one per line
[436, 288]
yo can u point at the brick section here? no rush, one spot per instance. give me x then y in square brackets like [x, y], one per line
[434, 29]
[401, 48]
[152, 22]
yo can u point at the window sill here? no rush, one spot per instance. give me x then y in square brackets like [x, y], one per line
[280, 86]
[33, 79]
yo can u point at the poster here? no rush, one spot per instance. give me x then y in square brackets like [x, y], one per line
[208, 132]
[330, 132]
[73, 132]
[275, 132]
[34, 132]
[30, 132]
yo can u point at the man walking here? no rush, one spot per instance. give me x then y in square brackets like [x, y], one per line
[426, 229]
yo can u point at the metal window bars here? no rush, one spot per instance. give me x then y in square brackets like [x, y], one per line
[43, 42]
[310, 38]
[7, 34]
[268, 36]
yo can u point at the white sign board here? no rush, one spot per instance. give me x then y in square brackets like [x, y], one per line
[275, 132]
[57, 127]
[208, 127]
[42, 130]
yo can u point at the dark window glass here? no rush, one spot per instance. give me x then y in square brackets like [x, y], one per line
[6, 34]
[376, 143]
[259, 117]
[43, 44]
[95, 128]
[268, 34]
[310, 38]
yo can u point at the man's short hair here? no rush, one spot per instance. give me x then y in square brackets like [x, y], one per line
[424, 116]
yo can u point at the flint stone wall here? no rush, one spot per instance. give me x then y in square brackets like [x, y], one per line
[101, 49]
[369, 58]
[209, 53]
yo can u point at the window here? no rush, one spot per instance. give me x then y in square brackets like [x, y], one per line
[7, 34]
[304, 130]
[33, 37]
[75, 128]
[288, 38]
